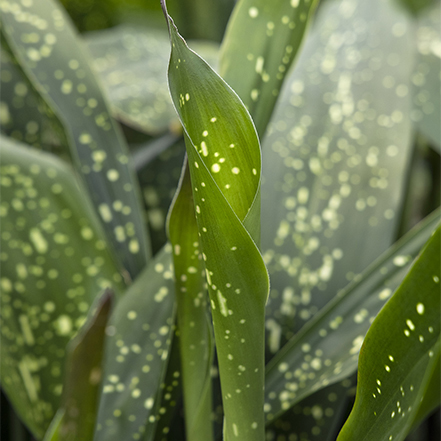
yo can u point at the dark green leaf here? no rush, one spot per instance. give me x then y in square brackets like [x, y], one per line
[273, 32]
[399, 354]
[83, 375]
[54, 262]
[46, 47]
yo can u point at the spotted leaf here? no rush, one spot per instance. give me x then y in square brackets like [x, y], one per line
[399, 354]
[132, 63]
[54, 262]
[137, 348]
[46, 47]
[335, 154]
[194, 327]
[224, 161]
[326, 349]
[261, 41]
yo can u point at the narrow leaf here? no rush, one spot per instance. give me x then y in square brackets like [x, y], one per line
[195, 334]
[137, 348]
[224, 160]
[54, 261]
[83, 375]
[399, 354]
[261, 42]
[54, 61]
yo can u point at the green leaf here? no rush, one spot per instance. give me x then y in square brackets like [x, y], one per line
[132, 63]
[399, 354]
[416, 6]
[426, 78]
[195, 334]
[54, 262]
[137, 349]
[326, 349]
[273, 32]
[224, 160]
[83, 375]
[46, 47]
[335, 158]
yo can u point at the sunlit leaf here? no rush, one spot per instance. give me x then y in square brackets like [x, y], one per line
[334, 159]
[399, 354]
[259, 46]
[54, 262]
[137, 349]
[326, 349]
[132, 63]
[45, 45]
[224, 160]
[194, 327]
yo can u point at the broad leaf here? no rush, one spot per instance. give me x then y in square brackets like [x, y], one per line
[54, 262]
[399, 354]
[335, 157]
[132, 63]
[224, 160]
[137, 349]
[326, 349]
[46, 47]
[195, 334]
[260, 43]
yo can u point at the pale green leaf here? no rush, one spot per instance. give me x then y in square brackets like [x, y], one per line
[335, 158]
[137, 348]
[326, 349]
[46, 47]
[54, 262]
[399, 354]
[132, 63]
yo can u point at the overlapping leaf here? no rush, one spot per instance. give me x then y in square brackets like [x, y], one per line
[137, 349]
[335, 157]
[45, 46]
[224, 161]
[195, 334]
[54, 262]
[399, 354]
[132, 63]
[260, 43]
[326, 349]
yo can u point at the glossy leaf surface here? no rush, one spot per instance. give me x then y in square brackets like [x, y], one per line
[260, 43]
[224, 161]
[46, 46]
[54, 262]
[399, 354]
[137, 349]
